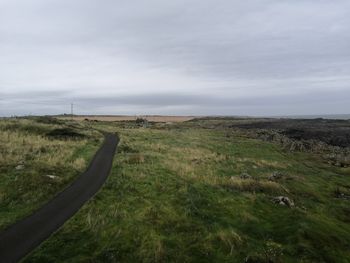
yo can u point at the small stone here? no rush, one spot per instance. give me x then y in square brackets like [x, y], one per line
[19, 167]
[275, 176]
[52, 176]
[283, 200]
[195, 160]
[245, 176]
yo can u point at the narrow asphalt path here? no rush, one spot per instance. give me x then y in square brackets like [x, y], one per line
[22, 237]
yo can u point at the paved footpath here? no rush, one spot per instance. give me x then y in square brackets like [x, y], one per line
[22, 237]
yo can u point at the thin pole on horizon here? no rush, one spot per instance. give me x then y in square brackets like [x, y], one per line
[71, 110]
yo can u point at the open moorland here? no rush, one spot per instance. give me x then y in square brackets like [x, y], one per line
[203, 190]
[153, 118]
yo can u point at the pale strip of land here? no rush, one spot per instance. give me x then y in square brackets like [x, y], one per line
[154, 118]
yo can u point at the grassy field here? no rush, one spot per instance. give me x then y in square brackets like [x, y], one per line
[36, 163]
[182, 193]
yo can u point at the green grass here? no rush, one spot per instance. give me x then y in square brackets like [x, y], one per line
[175, 195]
[23, 142]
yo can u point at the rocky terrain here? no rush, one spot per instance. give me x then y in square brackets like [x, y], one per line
[331, 138]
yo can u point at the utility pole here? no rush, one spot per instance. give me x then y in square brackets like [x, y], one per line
[71, 110]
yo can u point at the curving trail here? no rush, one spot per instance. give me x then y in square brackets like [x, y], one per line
[22, 237]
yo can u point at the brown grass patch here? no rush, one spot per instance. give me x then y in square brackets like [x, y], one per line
[136, 158]
[263, 163]
[250, 185]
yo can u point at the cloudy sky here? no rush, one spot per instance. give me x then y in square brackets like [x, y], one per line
[187, 57]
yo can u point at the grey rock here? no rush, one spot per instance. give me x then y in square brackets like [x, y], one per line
[275, 176]
[54, 177]
[245, 176]
[283, 200]
[19, 167]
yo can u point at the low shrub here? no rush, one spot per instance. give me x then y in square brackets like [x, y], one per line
[65, 133]
[48, 120]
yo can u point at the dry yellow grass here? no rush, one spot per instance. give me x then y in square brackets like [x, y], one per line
[23, 148]
[200, 164]
[250, 185]
[263, 163]
[230, 239]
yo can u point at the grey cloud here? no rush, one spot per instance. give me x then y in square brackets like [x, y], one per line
[160, 55]
[184, 103]
[166, 99]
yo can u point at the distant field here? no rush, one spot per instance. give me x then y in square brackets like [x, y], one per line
[130, 118]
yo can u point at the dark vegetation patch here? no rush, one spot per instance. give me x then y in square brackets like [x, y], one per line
[125, 148]
[332, 132]
[65, 133]
[329, 138]
[344, 214]
[48, 120]
[333, 137]
[88, 120]
[140, 121]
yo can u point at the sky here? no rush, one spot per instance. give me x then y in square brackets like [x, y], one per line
[182, 57]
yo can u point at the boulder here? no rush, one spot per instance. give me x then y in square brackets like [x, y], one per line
[283, 200]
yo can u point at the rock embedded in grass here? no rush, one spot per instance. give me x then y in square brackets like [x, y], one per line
[340, 193]
[19, 167]
[196, 161]
[275, 176]
[283, 200]
[53, 177]
[245, 175]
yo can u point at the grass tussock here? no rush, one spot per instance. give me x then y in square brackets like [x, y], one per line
[230, 239]
[254, 186]
[136, 158]
[264, 163]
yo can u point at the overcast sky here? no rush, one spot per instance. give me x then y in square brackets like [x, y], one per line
[186, 57]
